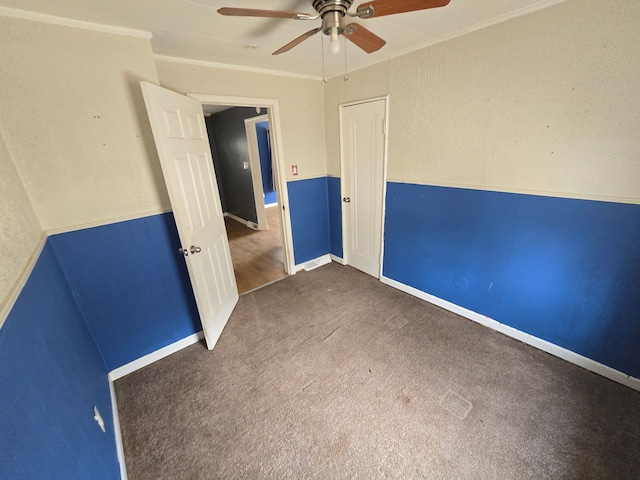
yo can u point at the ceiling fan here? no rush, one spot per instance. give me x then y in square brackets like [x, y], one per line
[333, 13]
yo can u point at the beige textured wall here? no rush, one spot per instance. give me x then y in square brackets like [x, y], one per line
[370, 82]
[300, 102]
[545, 103]
[73, 120]
[20, 232]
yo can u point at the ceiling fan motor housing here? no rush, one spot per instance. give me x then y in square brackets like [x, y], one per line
[332, 13]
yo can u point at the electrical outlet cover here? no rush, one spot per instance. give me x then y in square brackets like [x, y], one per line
[98, 418]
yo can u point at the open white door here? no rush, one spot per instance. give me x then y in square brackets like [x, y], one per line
[256, 170]
[180, 135]
[363, 137]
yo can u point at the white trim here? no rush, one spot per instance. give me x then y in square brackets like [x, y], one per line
[459, 33]
[277, 155]
[337, 259]
[256, 169]
[262, 286]
[10, 300]
[155, 356]
[364, 100]
[521, 191]
[560, 352]
[343, 188]
[314, 263]
[69, 22]
[244, 222]
[210, 99]
[107, 221]
[312, 177]
[271, 205]
[227, 66]
[385, 164]
[117, 432]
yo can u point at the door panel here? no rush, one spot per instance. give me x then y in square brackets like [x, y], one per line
[179, 131]
[363, 161]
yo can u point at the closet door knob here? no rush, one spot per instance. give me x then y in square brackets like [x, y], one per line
[195, 249]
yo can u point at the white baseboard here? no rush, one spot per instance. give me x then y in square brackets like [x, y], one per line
[117, 433]
[337, 259]
[241, 220]
[315, 263]
[154, 356]
[568, 355]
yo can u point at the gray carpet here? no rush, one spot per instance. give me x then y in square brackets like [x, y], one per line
[331, 374]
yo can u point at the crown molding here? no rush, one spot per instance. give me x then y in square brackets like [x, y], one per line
[68, 22]
[228, 66]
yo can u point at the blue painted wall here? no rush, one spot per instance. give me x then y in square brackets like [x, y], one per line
[564, 270]
[51, 376]
[131, 285]
[266, 167]
[309, 211]
[335, 215]
[98, 299]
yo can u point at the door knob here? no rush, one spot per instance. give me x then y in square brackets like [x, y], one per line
[184, 251]
[346, 200]
[195, 249]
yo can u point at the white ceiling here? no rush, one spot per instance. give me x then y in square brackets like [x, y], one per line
[192, 29]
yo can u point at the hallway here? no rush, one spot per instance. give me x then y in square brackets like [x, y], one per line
[257, 256]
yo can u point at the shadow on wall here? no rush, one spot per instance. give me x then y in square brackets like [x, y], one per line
[51, 376]
[131, 285]
[619, 338]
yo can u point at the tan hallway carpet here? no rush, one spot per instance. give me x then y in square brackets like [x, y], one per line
[331, 374]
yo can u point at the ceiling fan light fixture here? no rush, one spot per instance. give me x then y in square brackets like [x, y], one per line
[334, 44]
[333, 13]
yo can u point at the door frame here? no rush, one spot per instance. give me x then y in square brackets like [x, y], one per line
[256, 168]
[277, 159]
[343, 186]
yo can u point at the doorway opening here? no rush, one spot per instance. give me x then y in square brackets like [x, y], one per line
[242, 138]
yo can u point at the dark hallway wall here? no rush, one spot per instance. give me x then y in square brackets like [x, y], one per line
[216, 163]
[230, 151]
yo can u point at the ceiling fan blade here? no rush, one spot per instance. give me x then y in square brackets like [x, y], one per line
[298, 40]
[254, 12]
[391, 7]
[365, 39]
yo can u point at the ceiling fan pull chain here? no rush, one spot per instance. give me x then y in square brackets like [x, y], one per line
[324, 77]
[346, 75]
